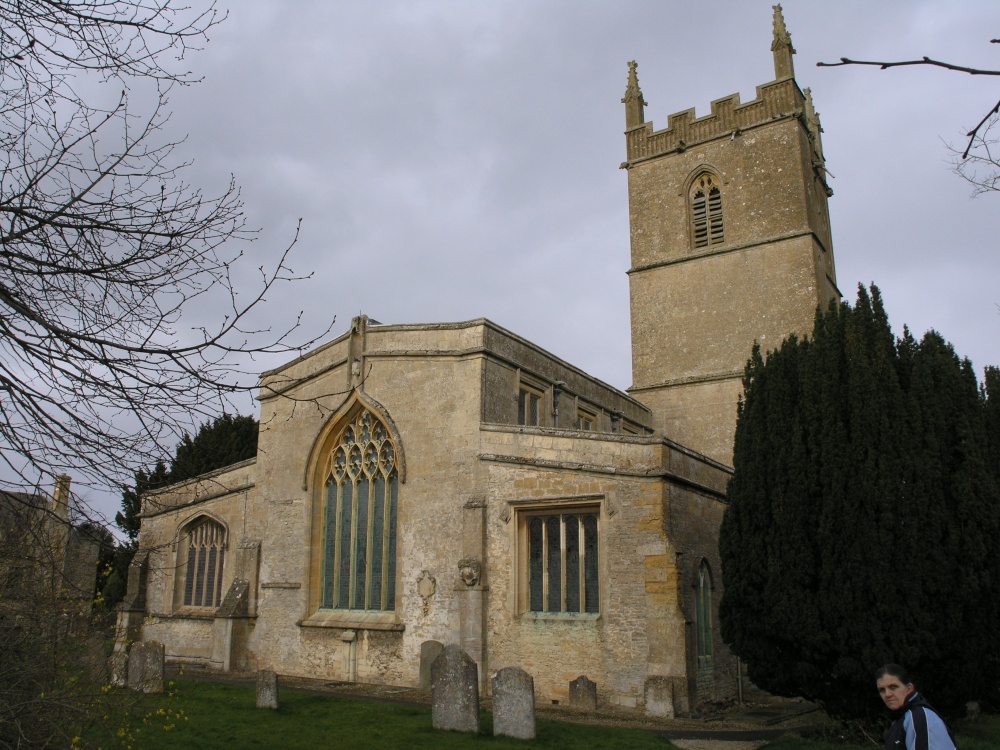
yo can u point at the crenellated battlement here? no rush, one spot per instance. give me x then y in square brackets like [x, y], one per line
[775, 100]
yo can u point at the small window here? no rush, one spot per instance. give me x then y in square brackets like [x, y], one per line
[706, 212]
[206, 554]
[703, 616]
[529, 406]
[585, 420]
[561, 559]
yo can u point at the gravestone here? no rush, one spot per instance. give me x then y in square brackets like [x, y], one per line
[583, 694]
[429, 651]
[267, 689]
[660, 697]
[118, 667]
[145, 667]
[513, 703]
[455, 691]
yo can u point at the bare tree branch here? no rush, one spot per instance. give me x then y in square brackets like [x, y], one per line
[121, 321]
[884, 65]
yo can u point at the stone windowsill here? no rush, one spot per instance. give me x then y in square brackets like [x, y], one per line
[352, 620]
[570, 618]
[194, 613]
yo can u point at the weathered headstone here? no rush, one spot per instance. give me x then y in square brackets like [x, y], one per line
[583, 694]
[660, 697]
[429, 651]
[267, 689]
[145, 667]
[455, 691]
[513, 703]
[118, 667]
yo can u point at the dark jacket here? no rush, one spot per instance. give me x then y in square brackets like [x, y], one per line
[929, 730]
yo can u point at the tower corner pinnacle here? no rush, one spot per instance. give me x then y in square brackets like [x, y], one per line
[782, 47]
[633, 100]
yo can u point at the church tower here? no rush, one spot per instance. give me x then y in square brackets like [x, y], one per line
[731, 244]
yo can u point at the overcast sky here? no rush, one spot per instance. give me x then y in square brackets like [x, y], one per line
[456, 160]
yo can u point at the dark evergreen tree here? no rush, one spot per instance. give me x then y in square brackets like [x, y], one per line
[225, 441]
[861, 513]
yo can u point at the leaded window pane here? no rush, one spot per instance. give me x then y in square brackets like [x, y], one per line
[377, 543]
[553, 563]
[590, 571]
[189, 579]
[390, 553]
[329, 559]
[361, 544]
[535, 564]
[218, 581]
[572, 564]
[210, 578]
[344, 561]
[199, 580]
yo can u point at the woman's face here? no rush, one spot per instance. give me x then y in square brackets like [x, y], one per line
[893, 691]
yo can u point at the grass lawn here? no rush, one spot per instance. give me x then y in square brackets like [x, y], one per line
[225, 716]
[206, 715]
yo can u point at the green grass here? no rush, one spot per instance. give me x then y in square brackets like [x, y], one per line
[210, 715]
[206, 715]
[981, 734]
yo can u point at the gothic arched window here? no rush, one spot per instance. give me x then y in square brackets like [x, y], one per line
[206, 554]
[706, 211]
[359, 539]
[703, 616]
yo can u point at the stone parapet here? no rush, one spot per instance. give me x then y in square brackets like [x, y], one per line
[775, 100]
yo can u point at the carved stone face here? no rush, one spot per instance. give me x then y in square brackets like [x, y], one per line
[470, 571]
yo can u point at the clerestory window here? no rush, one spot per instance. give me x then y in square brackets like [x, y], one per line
[706, 212]
[359, 563]
[529, 405]
[561, 560]
[206, 555]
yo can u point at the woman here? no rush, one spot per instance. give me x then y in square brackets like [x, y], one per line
[917, 726]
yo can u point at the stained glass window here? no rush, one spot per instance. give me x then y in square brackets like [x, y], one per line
[563, 562]
[205, 559]
[359, 541]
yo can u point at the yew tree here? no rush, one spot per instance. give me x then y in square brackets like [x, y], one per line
[864, 515]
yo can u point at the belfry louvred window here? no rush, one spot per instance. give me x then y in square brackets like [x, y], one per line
[706, 212]
[359, 563]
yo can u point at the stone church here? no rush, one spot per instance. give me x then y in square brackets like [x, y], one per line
[453, 483]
